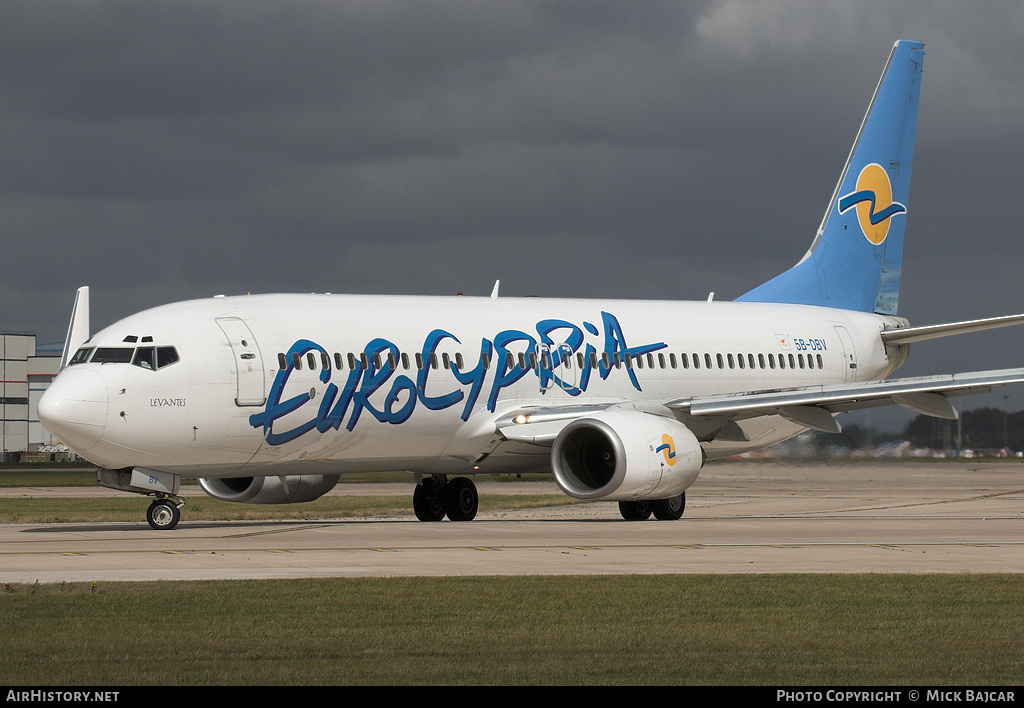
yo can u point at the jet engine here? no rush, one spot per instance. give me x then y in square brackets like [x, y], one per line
[290, 489]
[625, 456]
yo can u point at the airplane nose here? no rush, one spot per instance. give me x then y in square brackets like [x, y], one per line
[74, 408]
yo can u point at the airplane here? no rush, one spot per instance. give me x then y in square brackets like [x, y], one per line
[270, 399]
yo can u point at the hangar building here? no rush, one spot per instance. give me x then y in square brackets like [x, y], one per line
[24, 375]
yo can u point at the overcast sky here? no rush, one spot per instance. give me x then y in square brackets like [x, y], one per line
[160, 151]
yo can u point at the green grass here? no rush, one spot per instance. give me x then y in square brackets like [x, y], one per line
[48, 477]
[728, 629]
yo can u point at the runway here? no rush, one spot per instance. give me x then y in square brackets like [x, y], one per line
[741, 517]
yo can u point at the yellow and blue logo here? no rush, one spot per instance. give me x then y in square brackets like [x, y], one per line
[668, 449]
[873, 201]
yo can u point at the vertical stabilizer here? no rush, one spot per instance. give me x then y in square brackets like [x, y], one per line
[78, 328]
[854, 262]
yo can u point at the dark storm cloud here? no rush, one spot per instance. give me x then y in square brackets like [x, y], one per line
[159, 151]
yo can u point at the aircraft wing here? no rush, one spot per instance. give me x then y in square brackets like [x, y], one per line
[811, 406]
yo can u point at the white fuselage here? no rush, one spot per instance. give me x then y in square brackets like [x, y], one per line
[265, 385]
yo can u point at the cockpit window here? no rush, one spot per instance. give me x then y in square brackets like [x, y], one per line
[81, 356]
[150, 358]
[145, 357]
[113, 355]
[165, 356]
[155, 357]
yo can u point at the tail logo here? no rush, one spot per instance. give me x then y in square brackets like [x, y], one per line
[873, 201]
[668, 449]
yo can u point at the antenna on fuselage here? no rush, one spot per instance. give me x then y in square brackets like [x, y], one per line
[494, 293]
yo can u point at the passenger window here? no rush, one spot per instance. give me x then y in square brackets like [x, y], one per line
[296, 361]
[282, 361]
[311, 359]
[145, 358]
[405, 361]
[325, 361]
[338, 363]
[792, 361]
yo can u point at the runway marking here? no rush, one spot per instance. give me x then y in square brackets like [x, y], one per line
[267, 532]
[979, 497]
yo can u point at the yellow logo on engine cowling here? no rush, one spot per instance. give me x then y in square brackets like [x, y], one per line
[873, 201]
[668, 449]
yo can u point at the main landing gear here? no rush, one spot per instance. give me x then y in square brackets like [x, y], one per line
[663, 509]
[164, 513]
[437, 496]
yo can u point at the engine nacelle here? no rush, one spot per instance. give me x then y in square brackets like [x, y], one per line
[291, 489]
[625, 456]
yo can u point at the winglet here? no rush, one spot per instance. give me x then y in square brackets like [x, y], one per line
[78, 328]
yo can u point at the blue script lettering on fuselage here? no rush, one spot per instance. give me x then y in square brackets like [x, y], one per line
[346, 403]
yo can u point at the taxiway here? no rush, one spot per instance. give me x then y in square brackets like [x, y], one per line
[741, 517]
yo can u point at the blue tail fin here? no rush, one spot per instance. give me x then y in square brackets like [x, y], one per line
[854, 262]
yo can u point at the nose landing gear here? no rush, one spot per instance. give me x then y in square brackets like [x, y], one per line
[164, 514]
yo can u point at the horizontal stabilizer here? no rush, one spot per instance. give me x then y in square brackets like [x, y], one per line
[918, 334]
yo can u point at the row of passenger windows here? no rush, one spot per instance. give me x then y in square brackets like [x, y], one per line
[531, 360]
[144, 357]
